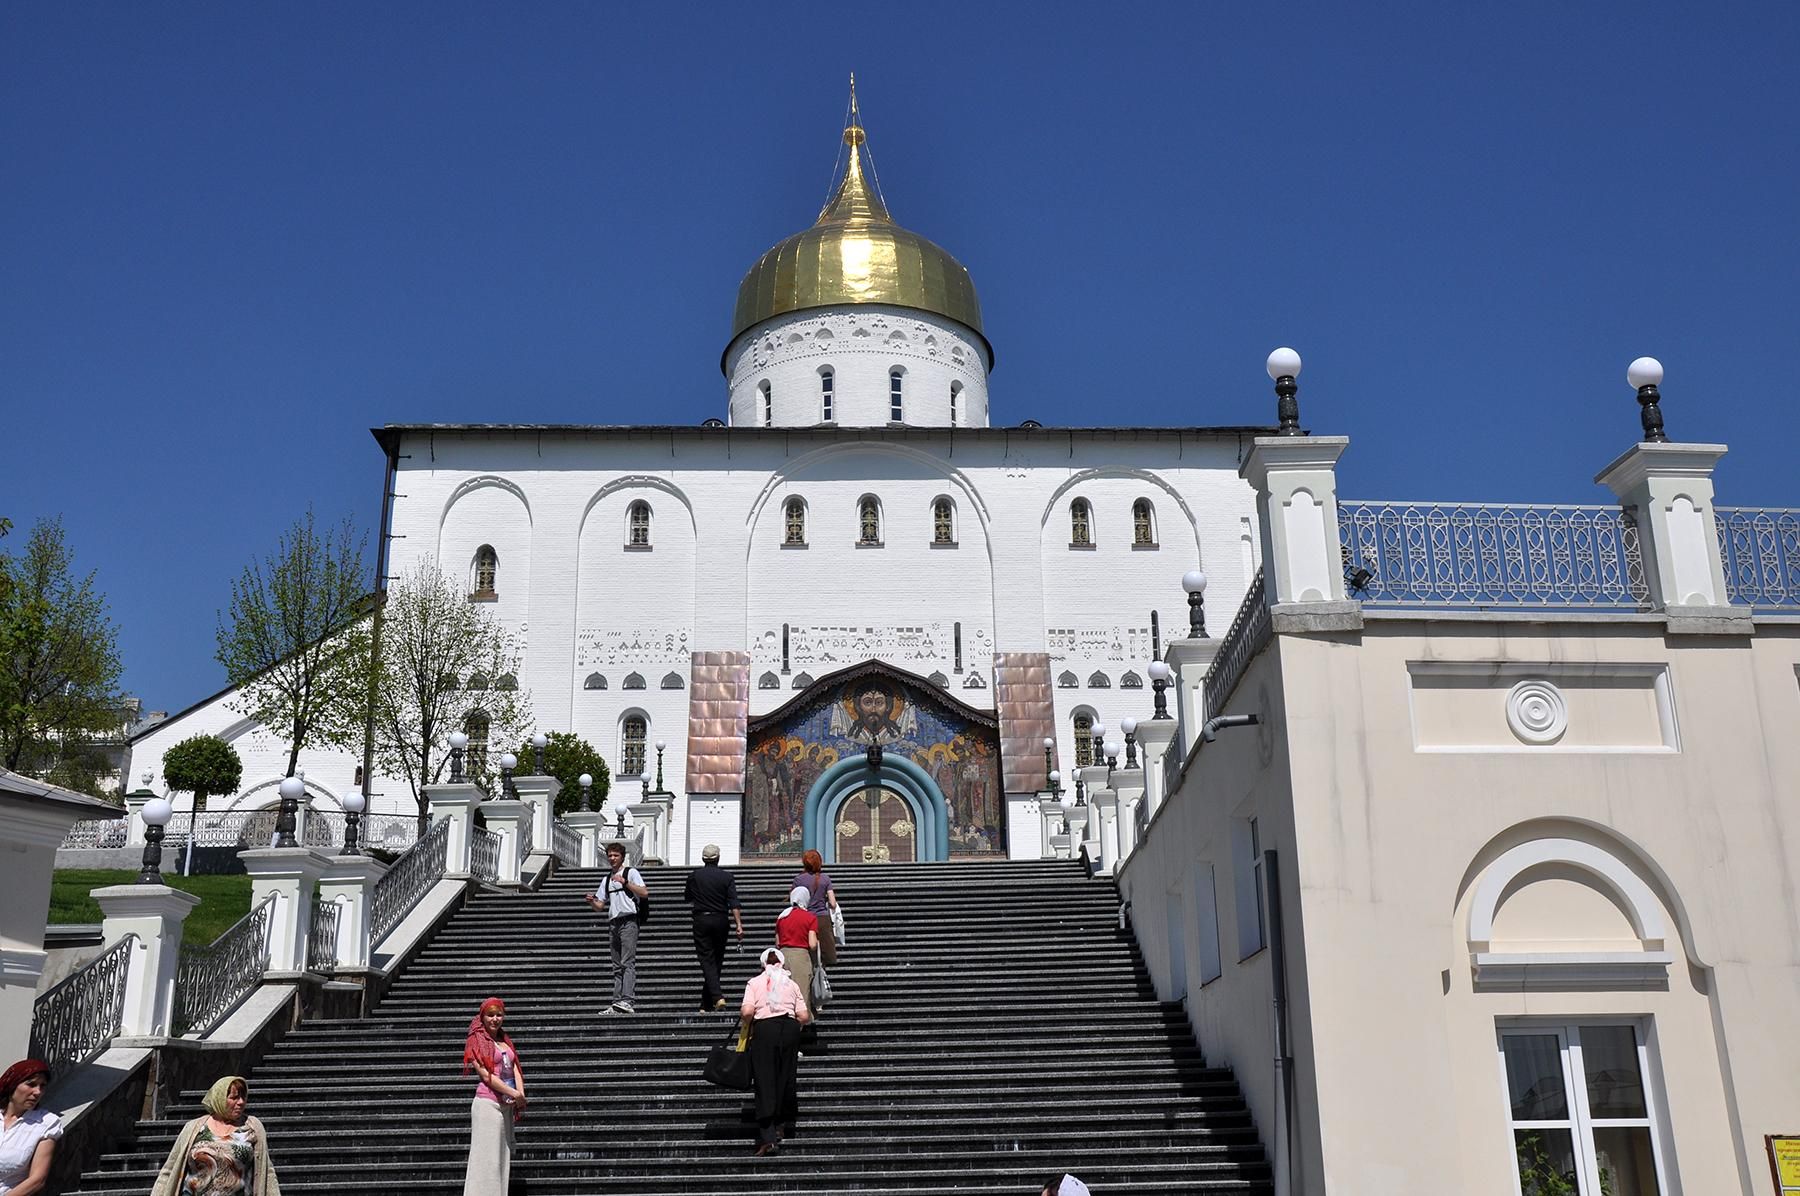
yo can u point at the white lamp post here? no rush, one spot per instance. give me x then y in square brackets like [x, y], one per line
[458, 741]
[292, 790]
[157, 812]
[1194, 582]
[1284, 367]
[1645, 375]
[1159, 686]
[354, 805]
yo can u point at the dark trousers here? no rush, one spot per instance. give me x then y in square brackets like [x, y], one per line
[774, 1063]
[709, 949]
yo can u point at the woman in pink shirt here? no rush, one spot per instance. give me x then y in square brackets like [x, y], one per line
[499, 1100]
[776, 1007]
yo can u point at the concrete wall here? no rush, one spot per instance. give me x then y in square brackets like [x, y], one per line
[1408, 788]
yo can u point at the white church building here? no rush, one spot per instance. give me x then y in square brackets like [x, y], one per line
[859, 554]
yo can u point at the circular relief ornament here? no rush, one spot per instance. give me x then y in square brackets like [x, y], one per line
[1536, 711]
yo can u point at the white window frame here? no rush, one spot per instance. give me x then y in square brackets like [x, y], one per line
[897, 395]
[956, 393]
[1206, 925]
[1246, 875]
[768, 404]
[827, 392]
[1581, 1124]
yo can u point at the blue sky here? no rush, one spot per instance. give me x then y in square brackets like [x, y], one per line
[234, 237]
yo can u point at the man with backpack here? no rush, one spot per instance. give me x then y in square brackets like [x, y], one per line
[625, 900]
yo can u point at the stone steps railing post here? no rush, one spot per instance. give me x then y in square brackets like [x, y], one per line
[155, 913]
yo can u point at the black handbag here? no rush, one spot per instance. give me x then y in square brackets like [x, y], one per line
[728, 1064]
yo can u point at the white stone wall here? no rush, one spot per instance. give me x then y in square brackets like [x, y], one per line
[717, 575]
[861, 346]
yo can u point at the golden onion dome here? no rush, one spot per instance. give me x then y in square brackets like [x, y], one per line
[855, 253]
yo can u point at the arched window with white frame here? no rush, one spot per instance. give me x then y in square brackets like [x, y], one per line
[896, 395]
[827, 393]
[766, 397]
[486, 571]
[1143, 524]
[956, 398]
[868, 520]
[1084, 739]
[1081, 524]
[793, 515]
[943, 520]
[637, 525]
[633, 730]
[475, 726]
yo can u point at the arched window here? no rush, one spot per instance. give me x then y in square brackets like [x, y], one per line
[868, 520]
[943, 521]
[487, 568]
[794, 517]
[594, 681]
[475, 726]
[634, 681]
[939, 680]
[1099, 681]
[827, 392]
[768, 404]
[673, 681]
[1131, 681]
[637, 525]
[1081, 524]
[802, 680]
[1143, 524]
[897, 395]
[1084, 740]
[477, 681]
[955, 404]
[631, 745]
[506, 681]
[1067, 680]
[768, 681]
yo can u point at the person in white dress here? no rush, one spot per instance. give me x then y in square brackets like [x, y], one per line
[28, 1134]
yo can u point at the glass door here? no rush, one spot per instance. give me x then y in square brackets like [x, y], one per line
[1582, 1118]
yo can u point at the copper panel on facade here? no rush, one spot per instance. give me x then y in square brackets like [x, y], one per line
[1026, 705]
[718, 711]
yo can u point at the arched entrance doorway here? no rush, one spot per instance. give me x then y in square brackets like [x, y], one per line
[907, 822]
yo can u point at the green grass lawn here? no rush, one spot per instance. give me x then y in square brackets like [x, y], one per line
[223, 899]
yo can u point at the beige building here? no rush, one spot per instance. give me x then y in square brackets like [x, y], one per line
[1520, 819]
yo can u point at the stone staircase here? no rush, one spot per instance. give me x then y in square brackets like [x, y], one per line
[992, 1026]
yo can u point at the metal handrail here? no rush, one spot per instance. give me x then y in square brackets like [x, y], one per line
[484, 854]
[322, 939]
[1249, 634]
[566, 842]
[1760, 550]
[411, 877]
[78, 1017]
[213, 980]
[1492, 554]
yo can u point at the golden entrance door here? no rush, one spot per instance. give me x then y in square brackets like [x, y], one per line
[876, 827]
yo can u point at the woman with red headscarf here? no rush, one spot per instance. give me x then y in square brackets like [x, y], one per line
[499, 1100]
[28, 1134]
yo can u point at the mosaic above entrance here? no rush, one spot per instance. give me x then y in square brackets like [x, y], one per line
[842, 717]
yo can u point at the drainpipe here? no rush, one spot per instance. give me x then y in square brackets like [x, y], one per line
[1284, 1063]
[392, 445]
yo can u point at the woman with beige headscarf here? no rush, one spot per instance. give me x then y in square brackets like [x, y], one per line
[224, 1152]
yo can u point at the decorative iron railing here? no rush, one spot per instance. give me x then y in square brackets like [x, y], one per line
[566, 843]
[98, 833]
[1476, 554]
[212, 981]
[1248, 634]
[484, 854]
[391, 832]
[527, 834]
[322, 939]
[81, 1015]
[1760, 548]
[412, 875]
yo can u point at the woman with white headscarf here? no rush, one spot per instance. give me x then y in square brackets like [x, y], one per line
[797, 934]
[776, 1009]
[1068, 1185]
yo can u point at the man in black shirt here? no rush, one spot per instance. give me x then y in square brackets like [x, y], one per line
[712, 891]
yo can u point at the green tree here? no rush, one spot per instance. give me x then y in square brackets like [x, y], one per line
[294, 641]
[566, 757]
[443, 661]
[203, 765]
[59, 659]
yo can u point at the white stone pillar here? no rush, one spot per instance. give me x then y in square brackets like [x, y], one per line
[1154, 737]
[456, 803]
[1128, 783]
[539, 796]
[1669, 488]
[1093, 779]
[505, 817]
[290, 874]
[1050, 811]
[586, 825]
[1188, 661]
[155, 914]
[135, 802]
[1104, 829]
[1296, 503]
[349, 881]
[654, 813]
